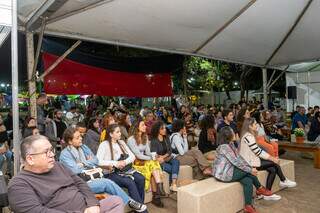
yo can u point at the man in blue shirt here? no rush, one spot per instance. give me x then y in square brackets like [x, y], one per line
[300, 119]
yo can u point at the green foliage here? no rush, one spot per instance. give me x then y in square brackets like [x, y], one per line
[298, 132]
[207, 74]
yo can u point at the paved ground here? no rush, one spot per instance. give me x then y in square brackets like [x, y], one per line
[303, 199]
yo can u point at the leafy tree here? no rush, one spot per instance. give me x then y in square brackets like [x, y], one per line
[206, 74]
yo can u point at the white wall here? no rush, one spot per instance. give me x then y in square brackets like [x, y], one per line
[215, 97]
[308, 94]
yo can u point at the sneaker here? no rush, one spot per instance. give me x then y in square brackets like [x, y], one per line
[288, 183]
[136, 206]
[263, 191]
[272, 197]
[174, 188]
[249, 209]
[259, 197]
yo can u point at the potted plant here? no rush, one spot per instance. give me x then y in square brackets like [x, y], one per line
[299, 133]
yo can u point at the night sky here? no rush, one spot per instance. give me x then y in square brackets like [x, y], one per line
[5, 61]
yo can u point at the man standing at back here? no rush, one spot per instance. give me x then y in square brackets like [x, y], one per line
[44, 185]
[56, 127]
[41, 116]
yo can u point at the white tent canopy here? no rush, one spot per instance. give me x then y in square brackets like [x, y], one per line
[5, 13]
[266, 33]
[5, 20]
[305, 67]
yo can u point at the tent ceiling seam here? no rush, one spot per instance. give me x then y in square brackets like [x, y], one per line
[38, 13]
[285, 38]
[231, 20]
[31, 14]
[77, 11]
[45, 11]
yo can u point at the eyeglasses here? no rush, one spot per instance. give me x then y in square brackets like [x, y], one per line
[47, 152]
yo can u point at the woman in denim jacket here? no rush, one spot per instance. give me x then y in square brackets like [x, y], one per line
[78, 157]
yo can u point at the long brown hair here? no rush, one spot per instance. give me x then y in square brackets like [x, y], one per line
[111, 128]
[240, 117]
[134, 131]
[106, 120]
[246, 126]
[122, 120]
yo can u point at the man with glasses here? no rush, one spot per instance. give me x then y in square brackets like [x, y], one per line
[44, 185]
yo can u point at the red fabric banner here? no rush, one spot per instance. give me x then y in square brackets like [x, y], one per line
[71, 77]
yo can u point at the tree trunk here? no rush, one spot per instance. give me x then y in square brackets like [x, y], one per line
[247, 95]
[245, 72]
[184, 78]
[228, 94]
[241, 92]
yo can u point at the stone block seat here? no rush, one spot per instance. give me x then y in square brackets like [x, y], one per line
[185, 173]
[210, 195]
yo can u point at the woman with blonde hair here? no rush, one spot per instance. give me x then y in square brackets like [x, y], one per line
[145, 161]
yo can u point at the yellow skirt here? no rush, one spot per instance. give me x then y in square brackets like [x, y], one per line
[146, 170]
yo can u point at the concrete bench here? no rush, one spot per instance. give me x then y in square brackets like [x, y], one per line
[210, 195]
[185, 173]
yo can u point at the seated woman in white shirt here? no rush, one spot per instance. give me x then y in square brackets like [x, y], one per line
[115, 153]
[193, 157]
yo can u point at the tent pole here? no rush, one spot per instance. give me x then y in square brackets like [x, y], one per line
[278, 77]
[270, 80]
[35, 63]
[31, 82]
[60, 59]
[15, 106]
[265, 89]
[308, 89]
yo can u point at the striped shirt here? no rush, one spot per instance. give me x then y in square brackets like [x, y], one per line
[255, 148]
[250, 151]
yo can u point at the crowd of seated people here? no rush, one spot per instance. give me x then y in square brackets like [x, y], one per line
[118, 149]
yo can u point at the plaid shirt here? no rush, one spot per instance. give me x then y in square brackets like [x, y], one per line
[226, 159]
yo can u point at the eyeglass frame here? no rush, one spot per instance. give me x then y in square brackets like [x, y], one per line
[47, 152]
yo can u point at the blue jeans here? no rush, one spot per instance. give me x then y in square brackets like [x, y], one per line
[135, 187]
[104, 185]
[7, 155]
[172, 167]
